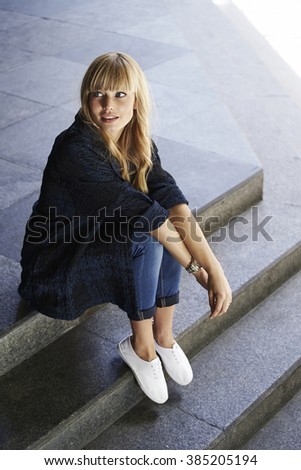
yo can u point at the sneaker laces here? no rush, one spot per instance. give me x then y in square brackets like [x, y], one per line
[157, 369]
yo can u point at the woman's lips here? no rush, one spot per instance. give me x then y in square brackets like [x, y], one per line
[108, 118]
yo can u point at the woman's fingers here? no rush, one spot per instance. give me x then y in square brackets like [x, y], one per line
[217, 306]
[219, 291]
[211, 300]
[219, 303]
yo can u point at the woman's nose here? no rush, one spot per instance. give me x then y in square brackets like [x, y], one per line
[108, 103]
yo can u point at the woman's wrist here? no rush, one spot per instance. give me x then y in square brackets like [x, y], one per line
[193, 266]
[215, 268]
[212, 266]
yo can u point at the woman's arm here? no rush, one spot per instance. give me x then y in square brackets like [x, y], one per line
[193, 237]
[184, 239]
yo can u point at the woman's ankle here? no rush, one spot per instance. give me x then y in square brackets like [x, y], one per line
[146, 352]
[162, 327]
[165, 340]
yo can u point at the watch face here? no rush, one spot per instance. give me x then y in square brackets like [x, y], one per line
[195, 267]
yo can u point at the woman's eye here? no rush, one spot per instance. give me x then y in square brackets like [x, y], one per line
[120, 94]
[97, 94]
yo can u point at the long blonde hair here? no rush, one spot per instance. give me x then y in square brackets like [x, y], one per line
[119, 71]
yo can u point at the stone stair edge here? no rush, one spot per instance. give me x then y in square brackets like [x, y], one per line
[26, 332]
[66, 434]
[238, 433]
[232, 203]
[282, 431]
[78, 430]
[33, 333]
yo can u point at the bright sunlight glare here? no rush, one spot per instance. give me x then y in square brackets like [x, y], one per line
[278, 21]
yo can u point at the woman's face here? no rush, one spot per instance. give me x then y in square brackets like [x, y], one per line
[112, 110]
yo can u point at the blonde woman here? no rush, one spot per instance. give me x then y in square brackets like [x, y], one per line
[111, 225]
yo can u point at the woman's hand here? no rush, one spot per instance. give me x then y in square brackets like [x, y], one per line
[219, 291]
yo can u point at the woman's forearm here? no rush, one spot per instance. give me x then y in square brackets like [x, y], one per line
[169, 237]
[193, 237]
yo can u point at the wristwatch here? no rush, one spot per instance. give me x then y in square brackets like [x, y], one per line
[193, 267]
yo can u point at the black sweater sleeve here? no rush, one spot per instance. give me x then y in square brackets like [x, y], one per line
[162, 186]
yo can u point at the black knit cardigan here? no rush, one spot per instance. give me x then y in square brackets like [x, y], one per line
[77, 246]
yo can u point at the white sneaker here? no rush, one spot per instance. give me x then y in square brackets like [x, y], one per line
[176, 363]
[149, 375]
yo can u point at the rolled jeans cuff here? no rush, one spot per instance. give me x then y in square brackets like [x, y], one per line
[161, 303]
[144, 314]
[168, 301]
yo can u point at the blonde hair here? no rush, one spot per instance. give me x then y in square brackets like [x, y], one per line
[119, 71]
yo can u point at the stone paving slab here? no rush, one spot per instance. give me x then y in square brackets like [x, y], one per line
[47, 37]
[162, 27]
[9, 19]
[221, 139]
[46, 80]
[147, 53]
[116, 15]
[202, 167]
[29, 142]
[12, 58]
[147, 425]
[39, 7]
[17, 181]
[17, 109]
[184, 68]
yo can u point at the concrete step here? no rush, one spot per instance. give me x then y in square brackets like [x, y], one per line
[283, 431]
[240, 380]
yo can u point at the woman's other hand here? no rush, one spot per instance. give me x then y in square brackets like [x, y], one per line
[219, 291]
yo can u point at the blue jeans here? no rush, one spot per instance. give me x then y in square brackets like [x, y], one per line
[157, 276]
